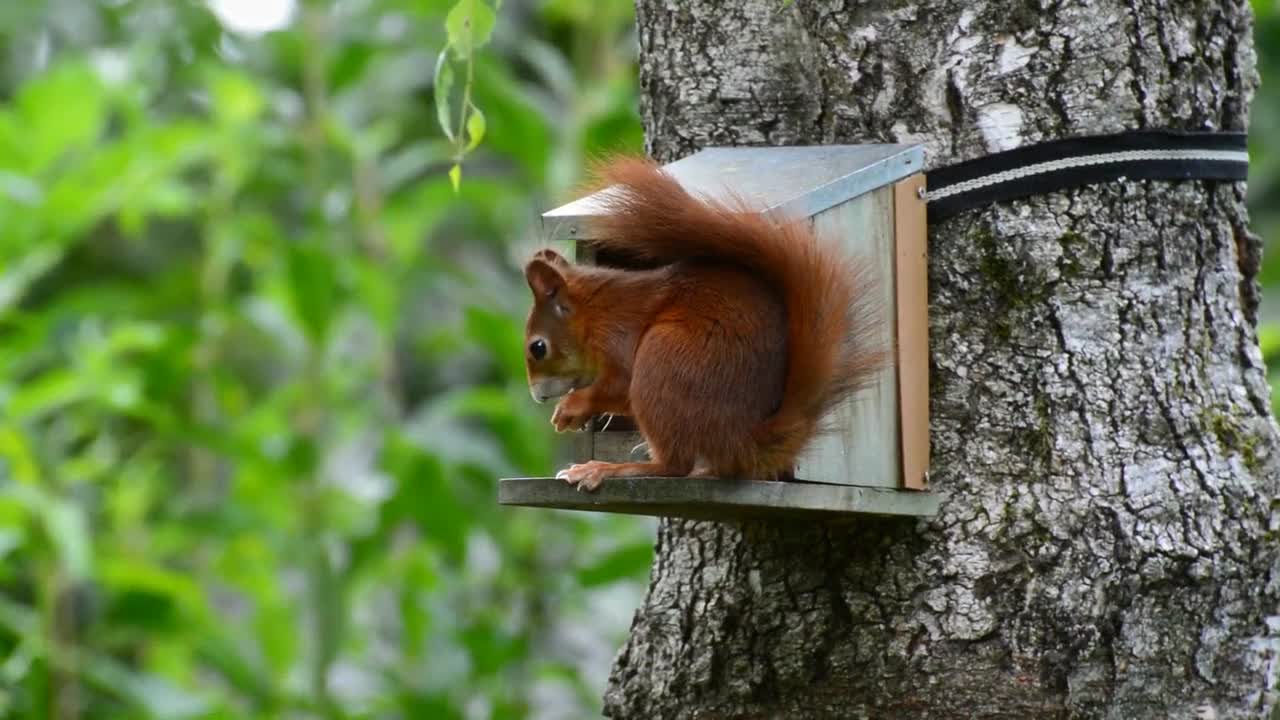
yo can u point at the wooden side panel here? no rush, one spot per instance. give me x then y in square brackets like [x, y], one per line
[583, 446]
[865, 449]
[913, 329]
[583, 253]
[619, 447]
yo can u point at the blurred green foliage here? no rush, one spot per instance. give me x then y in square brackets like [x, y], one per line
[260, 364]
[260, 360]
[1264, 181]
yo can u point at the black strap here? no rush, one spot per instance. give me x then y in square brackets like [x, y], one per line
[1061, 164]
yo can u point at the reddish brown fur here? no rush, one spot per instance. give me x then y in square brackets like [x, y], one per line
[730, 354]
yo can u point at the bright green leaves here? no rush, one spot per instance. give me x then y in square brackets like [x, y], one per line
[499, 333]
[468, 27]
[1264, 178]
[236, 99]
[58, 522]
[313, 288]
[444, 86]
[1269, 342]
[475, 128]
[455, 175]
[25, 270]
[63, 112]
[260, 362]
[73, 153]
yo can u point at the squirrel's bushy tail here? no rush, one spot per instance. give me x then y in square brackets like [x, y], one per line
[832, 343]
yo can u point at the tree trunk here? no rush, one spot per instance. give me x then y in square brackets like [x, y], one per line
[1100, 416]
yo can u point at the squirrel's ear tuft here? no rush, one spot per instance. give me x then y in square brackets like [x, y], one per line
[552, 257]
[545, 279]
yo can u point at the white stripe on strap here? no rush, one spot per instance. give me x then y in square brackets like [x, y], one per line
[1085, 161]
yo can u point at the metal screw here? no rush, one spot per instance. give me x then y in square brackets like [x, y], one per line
[920, 192]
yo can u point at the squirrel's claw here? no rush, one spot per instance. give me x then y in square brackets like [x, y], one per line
[584, 476]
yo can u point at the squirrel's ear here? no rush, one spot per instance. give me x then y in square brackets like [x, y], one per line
[545, 279]
[552, 257]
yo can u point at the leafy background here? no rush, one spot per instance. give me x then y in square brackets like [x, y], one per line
[260, 319]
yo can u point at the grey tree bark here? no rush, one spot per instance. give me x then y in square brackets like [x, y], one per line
[1101, 426]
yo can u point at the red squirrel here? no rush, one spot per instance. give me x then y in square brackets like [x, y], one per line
[728, 355]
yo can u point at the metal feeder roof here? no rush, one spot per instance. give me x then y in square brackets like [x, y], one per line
[792, 181]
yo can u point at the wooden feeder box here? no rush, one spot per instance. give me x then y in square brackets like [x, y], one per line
[869, 198]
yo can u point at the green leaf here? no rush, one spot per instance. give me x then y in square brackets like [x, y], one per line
[136, 337]
[469, 25]
[421, 704]
[499, 409]
[487, 402]
[10, 539]
[157, 696]
[68, 532]
[313, 285]
[1269, 342]
[240, 673]
[475, 128]
[376, 289]
[500, 333]
[529, 134]
[629, 561]
[351, 60]
[275, 633]
[455, 177]
[425, 495]
[491, 646]
[402, 166]
[47, 393]
[29, 268]
[236, 99]
[154, 696]
[17, 456]
[139, 575]
[63, 110]
[443, 86]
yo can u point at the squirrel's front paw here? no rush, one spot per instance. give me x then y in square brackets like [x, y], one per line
[568, 417]
[585, 476]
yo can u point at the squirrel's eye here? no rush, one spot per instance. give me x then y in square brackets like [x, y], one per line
[538, 349]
